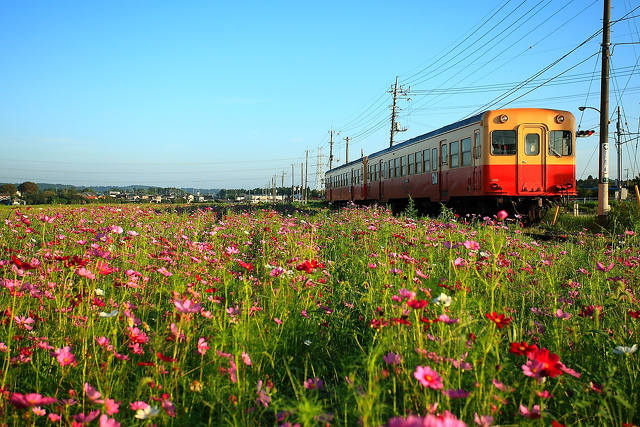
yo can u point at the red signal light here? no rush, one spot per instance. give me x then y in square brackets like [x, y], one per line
[584, 133]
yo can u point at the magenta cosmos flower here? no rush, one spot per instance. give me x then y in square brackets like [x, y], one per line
[428, 377]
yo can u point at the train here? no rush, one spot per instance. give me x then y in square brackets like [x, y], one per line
[521, 160]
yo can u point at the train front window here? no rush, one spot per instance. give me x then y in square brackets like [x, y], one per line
[560, 143]
[503, 142]
[532, 144]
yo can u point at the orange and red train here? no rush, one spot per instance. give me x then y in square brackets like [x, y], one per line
[520, 159]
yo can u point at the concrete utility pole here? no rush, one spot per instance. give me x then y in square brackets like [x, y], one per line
[292, 183]
[301, 180]
[331, 133]
[319, 171]
[306, 175]
[346, 156]
[395, 91]
[619, 151]
[603, 172]
[282, 186]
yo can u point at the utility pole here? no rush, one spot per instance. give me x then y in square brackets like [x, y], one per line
[282, 186]
[346, 157]
[292, 184]
[306, 175]
[395, 91]
[603, 175]
[619, 151]
[319, 171]
[331, 133]
[301, 180]
[273, 189]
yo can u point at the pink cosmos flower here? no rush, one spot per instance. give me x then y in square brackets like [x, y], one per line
[138, 405]
[263, 398]
[38, 411]
[86, 419]
[533, 369]
[562, 315]
[187, 306]
[111, 406]
[24, 322]
[456, 394]
[471, 245]
[428, 377]
[459, 262]
[604, 268]
[54, 418]
[392, 359]
[86, 273]
[482, 420]
[278, 321]
[64, 356]
[246, 359]
[447, 320]
[164, 272]
[203, 346]
[532, 413]
[502, 215]
[30, 399]
[92, 393]
[313, 383]
[105, 421]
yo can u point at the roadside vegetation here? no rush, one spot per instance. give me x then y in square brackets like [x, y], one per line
[133, 315]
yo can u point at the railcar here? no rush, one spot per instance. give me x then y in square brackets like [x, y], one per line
[520, 159]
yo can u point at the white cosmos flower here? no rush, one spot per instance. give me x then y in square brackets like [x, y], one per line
[443, 300]
[625, 350]
[148, 412]
[99, 292]
[111, 314]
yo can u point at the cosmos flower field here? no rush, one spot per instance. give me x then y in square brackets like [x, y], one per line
[133, 315]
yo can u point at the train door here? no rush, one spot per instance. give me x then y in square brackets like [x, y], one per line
[381, 178]
[530, 158]
[476, 156]
[442, 169]
[365, 177]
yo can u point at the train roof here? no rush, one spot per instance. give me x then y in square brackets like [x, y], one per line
[444, 129]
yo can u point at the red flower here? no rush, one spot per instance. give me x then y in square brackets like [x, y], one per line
[309, 265]
[550, 362]
[22, 265]
[417, 304]
[165, 358]
[246, 265]
[523, 349]
[634, 314]
[499, 319]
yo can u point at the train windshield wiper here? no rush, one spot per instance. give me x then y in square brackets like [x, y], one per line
[554, 152]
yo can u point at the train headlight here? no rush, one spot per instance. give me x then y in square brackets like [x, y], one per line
[504, 118]
[559, 118]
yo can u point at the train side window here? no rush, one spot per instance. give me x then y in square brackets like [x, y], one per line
[560, 143]
[403, 165]
[444, 157]
[477, 144]
[396, 163]
[419, 162]
[532, 144]
[466, 151]
[412, 163]
[503, 142]
[427, 160]
[434, 159]
[454, 148]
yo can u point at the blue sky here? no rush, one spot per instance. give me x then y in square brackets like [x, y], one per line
[229, 94]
